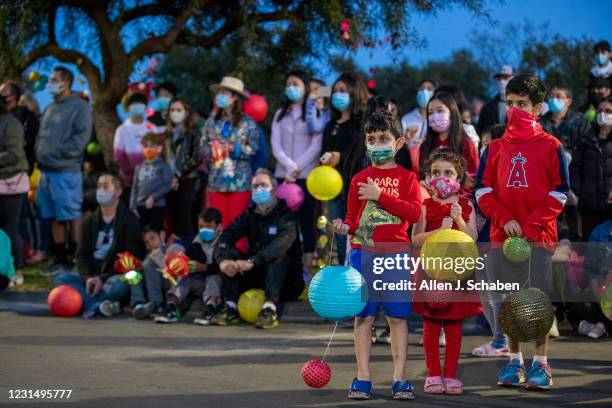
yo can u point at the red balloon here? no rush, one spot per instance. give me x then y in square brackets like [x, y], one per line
[256, 107]
[371, 84]
[316, 373]
[292, 194]
[64, 301]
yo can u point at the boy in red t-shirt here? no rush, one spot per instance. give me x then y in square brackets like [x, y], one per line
[522, 186]
[383, 200]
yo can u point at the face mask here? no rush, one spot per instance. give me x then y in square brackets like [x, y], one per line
[163, 102]
[294, 93]
[136, 110]
[556, 105]
[444, 186]
[261, 196]
[177, 117]
[604, 119]
[423, 96]
[222, 101]
[521, 122]
[341, 101]
[207, 234]
[149, 153]
[104, 197]
[501, 86]
[54, 88]
[601, 58]
[440, 122]
[380, 154]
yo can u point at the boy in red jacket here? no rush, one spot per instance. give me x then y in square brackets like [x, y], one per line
[522, 186]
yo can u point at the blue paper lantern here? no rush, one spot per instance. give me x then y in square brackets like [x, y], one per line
[337, 292]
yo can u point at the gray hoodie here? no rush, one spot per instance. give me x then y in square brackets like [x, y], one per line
[65, 130]
[152, 177]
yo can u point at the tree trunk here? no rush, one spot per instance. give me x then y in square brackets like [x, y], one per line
[106, 121]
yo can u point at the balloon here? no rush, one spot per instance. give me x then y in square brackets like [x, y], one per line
[441, 249]
[324, 183]
[606, 302]
[516, 249]
[39, 86]
[292, 194]
[256, 107]
[250, 304]
[43, 79]
[526, 315]
[337, 292]
[64, 301]
[316, 373]
[371, 84]
[321, 222]
[33, 76]
[94, 148]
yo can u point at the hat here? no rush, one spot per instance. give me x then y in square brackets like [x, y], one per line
[506, 70]
[231, 84]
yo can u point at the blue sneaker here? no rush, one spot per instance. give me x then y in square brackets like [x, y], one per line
[539, 377]
[512, 375]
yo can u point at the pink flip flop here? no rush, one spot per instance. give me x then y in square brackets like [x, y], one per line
[453, 386]
[431, 383]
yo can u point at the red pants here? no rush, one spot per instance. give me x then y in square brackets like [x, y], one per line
[231, 206]
[431, 333]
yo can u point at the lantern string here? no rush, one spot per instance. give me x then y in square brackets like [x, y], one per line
[330, 340]
[331, 245]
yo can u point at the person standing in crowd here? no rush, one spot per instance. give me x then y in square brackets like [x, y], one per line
[445, 131]
[127, 149]
[230, 138]
[603, 65]
[462, 104]
[106, 232]
[297, 152]
[317, 115]
[494, 112]
[273, 260]
[414, 122]
[591, 170]
[14, 183]
[342, 145]
[65, 130]
[164, 93]
[599, 88]
[184, 157]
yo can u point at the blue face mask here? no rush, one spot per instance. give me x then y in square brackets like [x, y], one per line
[601, 58]
[294, 93]
[222, 101]
[341, 101]
[54, 88]
[137, 110]
[261, 196]
[207, 234]
[162, 103]
[423, 96]
[556, 105]
[104, 197]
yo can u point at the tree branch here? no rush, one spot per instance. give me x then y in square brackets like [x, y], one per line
[51, 23]
[154, 9]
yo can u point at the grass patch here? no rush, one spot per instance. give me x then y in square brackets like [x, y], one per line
[33, 281]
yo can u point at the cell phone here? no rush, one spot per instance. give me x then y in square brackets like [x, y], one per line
[324, 92]
[325, 156]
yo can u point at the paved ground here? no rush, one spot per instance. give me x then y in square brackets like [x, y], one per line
[129, 363]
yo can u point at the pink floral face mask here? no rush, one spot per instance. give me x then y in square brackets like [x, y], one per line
[444, 186]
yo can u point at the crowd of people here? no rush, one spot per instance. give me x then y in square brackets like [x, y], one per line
[198, 183]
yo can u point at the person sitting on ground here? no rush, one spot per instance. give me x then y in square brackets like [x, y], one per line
[273, 260]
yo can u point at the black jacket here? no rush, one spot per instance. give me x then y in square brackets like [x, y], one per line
[126, 237]
[591, 172]
[187, 154]
[571, 130]
[30, 123]
[489, 115]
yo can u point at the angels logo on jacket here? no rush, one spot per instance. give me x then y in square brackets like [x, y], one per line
[518, 177]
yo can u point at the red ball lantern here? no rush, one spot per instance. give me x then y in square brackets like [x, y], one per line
[316, 373]
[64, 301]
[256, 107]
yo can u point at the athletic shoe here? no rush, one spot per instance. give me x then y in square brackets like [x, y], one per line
[16, 280]
[554, 330]
[487, 350]
[584, 328]
[143, 310]
[208, 313]
[512, 374]
[539, 377]
[226, 317]
[56, 269]
[385, 336]
[168, 316]
[267, 319]
[109, 308]
[597, 331]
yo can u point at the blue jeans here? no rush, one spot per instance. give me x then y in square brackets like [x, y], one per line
[337, 209]
[113, 290]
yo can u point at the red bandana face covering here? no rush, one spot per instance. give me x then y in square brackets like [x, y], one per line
[521, 123]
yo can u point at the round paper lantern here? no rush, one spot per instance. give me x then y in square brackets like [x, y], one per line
[64, 301]
[324, 183]
[516, 249]
[256, 107]
[94, 148]
[526, 315]
[436, 298]
[33, 76]
[250, 304]
[606, 302]
[449, 255]
[292, 194]
[39, 85]
[337, 292]
[316, 373]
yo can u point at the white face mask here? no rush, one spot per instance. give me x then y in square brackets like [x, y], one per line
[177, 117]
[604, 119]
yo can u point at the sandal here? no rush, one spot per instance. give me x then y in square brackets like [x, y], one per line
[360, 389]
[402, 390]
[434, 385]
[452, 386]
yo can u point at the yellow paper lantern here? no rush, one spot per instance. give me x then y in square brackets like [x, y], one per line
[34, 178]
[323, 240]
[250, 304]
[449, 255]
[34, 76]
[324, 183]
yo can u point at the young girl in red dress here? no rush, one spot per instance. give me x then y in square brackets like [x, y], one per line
[446, 209]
